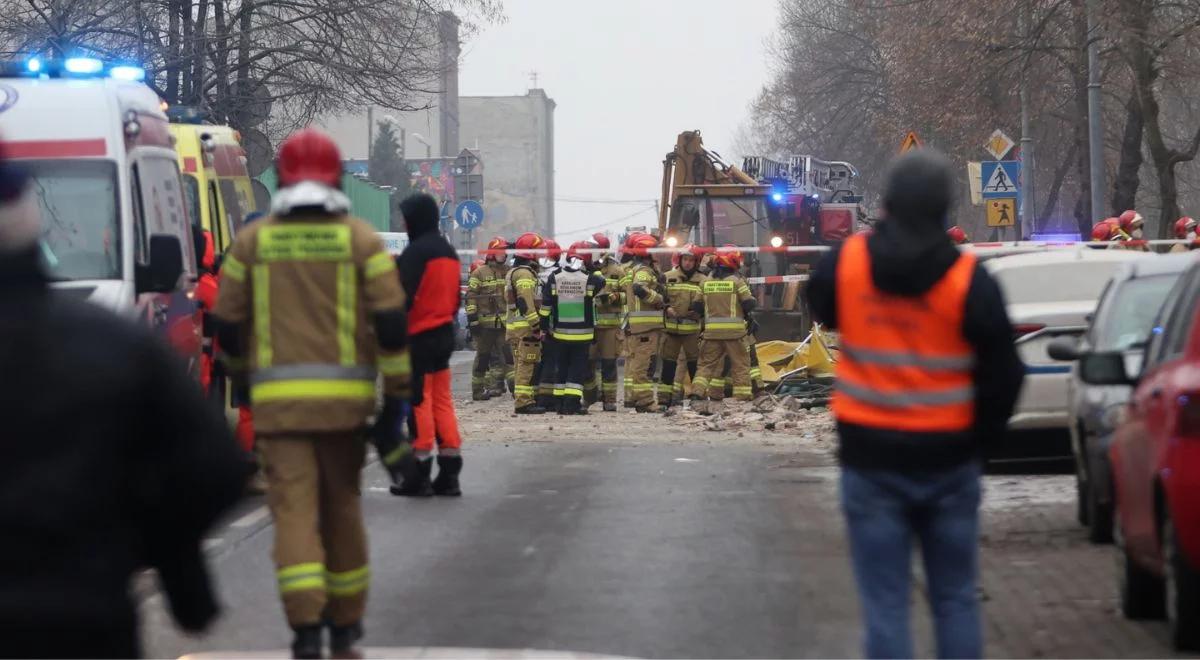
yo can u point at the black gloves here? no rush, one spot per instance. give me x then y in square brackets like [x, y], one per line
[640, 291]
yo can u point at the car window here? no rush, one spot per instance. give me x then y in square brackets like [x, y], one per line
[1128, 313]
[1181, 298]
[1104, 305]
[1181, 322]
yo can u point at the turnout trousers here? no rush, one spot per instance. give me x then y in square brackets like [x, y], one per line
[643, 348]
[713, 353]
[313, 490]
[608, 349]
[489, 345]
[572, 362]
[527, 353]
[673, 345]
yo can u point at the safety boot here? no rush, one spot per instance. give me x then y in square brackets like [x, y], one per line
[494, 393]
[307, 642]
[530, 409]
[342, 640]
[482, 395]
[446, 483]
[415, 474]
[610, 406]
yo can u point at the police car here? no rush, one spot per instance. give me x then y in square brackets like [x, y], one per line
[115, 230]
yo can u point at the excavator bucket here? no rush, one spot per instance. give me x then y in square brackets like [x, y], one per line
[812, 357]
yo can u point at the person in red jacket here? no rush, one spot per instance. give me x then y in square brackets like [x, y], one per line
[429, 270]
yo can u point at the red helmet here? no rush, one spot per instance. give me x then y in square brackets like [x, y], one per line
[1102, 231]
[586, 257]
[497, 243]
[638, 243]
[553, 249]
[731, 259]
[475, 265]
[1129, 221]
[529, 241]
[689, 250]
[1184, 226]
[601, 240]
[309, 155]
[957, 235]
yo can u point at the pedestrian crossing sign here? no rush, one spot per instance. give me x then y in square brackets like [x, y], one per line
[1002, 212]
[1000, 178]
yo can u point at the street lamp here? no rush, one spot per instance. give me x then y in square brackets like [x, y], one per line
[428, 147]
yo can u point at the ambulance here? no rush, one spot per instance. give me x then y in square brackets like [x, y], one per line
[216, 183]
[115, 228]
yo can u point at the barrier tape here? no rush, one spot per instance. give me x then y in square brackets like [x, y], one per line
[776, 279]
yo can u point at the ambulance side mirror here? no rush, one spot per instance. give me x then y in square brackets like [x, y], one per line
[164, 268]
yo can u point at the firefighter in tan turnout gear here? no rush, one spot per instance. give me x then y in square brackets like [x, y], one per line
[485, 307]
[317, 295]
[523, 326]
[609, 309]
[645, 321]
[682, 334]
[727, 305]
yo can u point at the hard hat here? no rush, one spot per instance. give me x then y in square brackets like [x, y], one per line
[309, 155]
[475, 265]
[731, 259]
[1130, 220]
[1101, 231]
[1184, 226]
[526, 242]
[638, 243]
[554, 251]
[688, 250]
[497, 243]
[575, 252]
[601, 240]
[957, 235]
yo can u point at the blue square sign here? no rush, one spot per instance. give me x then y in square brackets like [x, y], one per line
[1000, 178]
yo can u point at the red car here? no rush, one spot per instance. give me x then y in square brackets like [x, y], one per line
[1155, 458]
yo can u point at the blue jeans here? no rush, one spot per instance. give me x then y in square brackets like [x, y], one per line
[885, 511]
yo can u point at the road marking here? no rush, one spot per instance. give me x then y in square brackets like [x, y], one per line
[687, 460]
[251, 518]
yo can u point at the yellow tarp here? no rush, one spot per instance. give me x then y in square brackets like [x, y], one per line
[777, 358]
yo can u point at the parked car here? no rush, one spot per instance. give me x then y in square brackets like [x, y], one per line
[1122, 322]
[1048, 295]
[1155, 457]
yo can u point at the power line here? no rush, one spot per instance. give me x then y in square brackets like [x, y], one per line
[612, 222]
[577, 200]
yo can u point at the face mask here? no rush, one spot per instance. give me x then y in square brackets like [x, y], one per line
[1137, 233]
[575, 263]
[547, 262]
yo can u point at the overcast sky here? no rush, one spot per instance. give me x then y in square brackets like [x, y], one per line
[627, 77]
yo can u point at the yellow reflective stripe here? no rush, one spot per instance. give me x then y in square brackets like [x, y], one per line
[525, 284]
[395, 365]
[396, 454]
[301, 577]
[348, 583]
[304, 242]
[724, 326]
[311, 389]
[262, 314]
[235, 269]
[378, 264]
[523, 389]
[571, 391]
[347, 313]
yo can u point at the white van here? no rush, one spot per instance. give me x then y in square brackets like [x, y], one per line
[115, 227]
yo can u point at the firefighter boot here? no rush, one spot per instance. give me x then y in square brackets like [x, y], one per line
[342, 640]
[531, 409]
[446, 483]
[307, 642]
[416, 477]
[610, 407]
[666, 384]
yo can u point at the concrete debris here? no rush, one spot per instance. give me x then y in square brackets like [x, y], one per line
[765, 403]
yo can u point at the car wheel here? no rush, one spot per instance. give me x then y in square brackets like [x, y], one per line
[1143, 594]
[1182, 592]
[1099, 514]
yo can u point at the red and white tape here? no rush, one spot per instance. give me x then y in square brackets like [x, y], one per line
[776, 279]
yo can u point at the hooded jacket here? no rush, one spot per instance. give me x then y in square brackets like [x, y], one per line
[910, 252]
[429, 268]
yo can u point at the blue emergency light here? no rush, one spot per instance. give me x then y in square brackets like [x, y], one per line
[127, 72]
[71, 67]
[777, 197]
[33, 65]
[83, 66]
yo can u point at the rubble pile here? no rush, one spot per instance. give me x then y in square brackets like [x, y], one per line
[789, 414]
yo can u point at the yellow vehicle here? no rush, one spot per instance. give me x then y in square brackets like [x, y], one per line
[215, 180]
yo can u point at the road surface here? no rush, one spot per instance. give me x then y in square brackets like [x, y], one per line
[643, 536]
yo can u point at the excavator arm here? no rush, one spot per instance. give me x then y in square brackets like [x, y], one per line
[691, 164]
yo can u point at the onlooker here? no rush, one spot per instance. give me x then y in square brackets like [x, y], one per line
[111, 460]
[928, 375]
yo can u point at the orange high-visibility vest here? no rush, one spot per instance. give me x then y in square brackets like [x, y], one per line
[904, 362]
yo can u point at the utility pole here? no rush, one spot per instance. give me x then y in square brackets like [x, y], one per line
[1028, 198]
[370, 131]
[1095, 128]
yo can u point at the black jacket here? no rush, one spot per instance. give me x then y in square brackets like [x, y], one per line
[110, 460]
[908, 263]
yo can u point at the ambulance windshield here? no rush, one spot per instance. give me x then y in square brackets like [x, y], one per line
[81, 232]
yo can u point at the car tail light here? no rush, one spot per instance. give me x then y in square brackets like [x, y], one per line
[1189, 415]
[1022, 329]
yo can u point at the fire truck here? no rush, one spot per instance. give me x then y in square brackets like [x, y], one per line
[798, 201]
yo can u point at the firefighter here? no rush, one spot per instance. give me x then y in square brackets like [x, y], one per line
[1184, 228]
[546, 376]
[682, 332]
[206, 299]
[645, 321]
[485, 305]
[957, 235]
[726, 306]
[625, 264]
[523, 327]
[609, 309]
[317, 294]
[1132, 223]
[570, 295]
